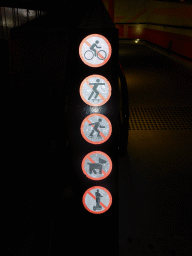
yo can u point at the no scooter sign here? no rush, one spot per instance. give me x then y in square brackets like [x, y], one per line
[97, 200]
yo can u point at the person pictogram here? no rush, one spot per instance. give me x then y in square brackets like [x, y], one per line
[93, 46]
[94, 89]
[95, 128]
[96, 166]
[98, 196]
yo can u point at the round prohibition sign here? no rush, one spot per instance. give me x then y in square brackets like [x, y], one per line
[97, 200]
[96, 128]
[96, 165]
[95, 50]
[95, 90]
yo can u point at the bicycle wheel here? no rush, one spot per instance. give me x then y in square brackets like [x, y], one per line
[88, 55]
[101, 55]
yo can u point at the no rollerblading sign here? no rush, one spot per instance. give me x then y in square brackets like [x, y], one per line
[97, 165]
[95, 90]
[96, 128]
[97, 200]
[95, 50]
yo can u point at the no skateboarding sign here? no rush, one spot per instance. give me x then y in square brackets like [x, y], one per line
[95, 90]
[97, 165]
[96, 128]
[95, 50]
[97, 200]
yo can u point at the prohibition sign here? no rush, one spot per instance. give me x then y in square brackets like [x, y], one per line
[95, 90]
[95, 50]
[96, 165]
[97, 200]
[96, 128]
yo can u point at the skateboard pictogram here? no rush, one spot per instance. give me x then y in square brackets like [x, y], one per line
[97, 165]
[95, 90]
[97, 200]
[88, 50]
[96, 128]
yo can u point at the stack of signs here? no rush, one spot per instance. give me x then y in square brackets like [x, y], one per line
[95, 90]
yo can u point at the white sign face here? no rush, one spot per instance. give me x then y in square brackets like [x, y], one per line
[95, 50]
[97, 200]
[96, 128]
[95, 90]
[97, 165]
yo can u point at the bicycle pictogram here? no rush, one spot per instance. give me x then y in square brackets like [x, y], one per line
[90, 54]
[95, 50]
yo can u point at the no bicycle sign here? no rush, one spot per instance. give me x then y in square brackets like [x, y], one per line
[95, 50]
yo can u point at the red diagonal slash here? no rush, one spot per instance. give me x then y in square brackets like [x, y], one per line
[92, 161]
[95, 199]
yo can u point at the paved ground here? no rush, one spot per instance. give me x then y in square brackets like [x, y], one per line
[155, 175]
